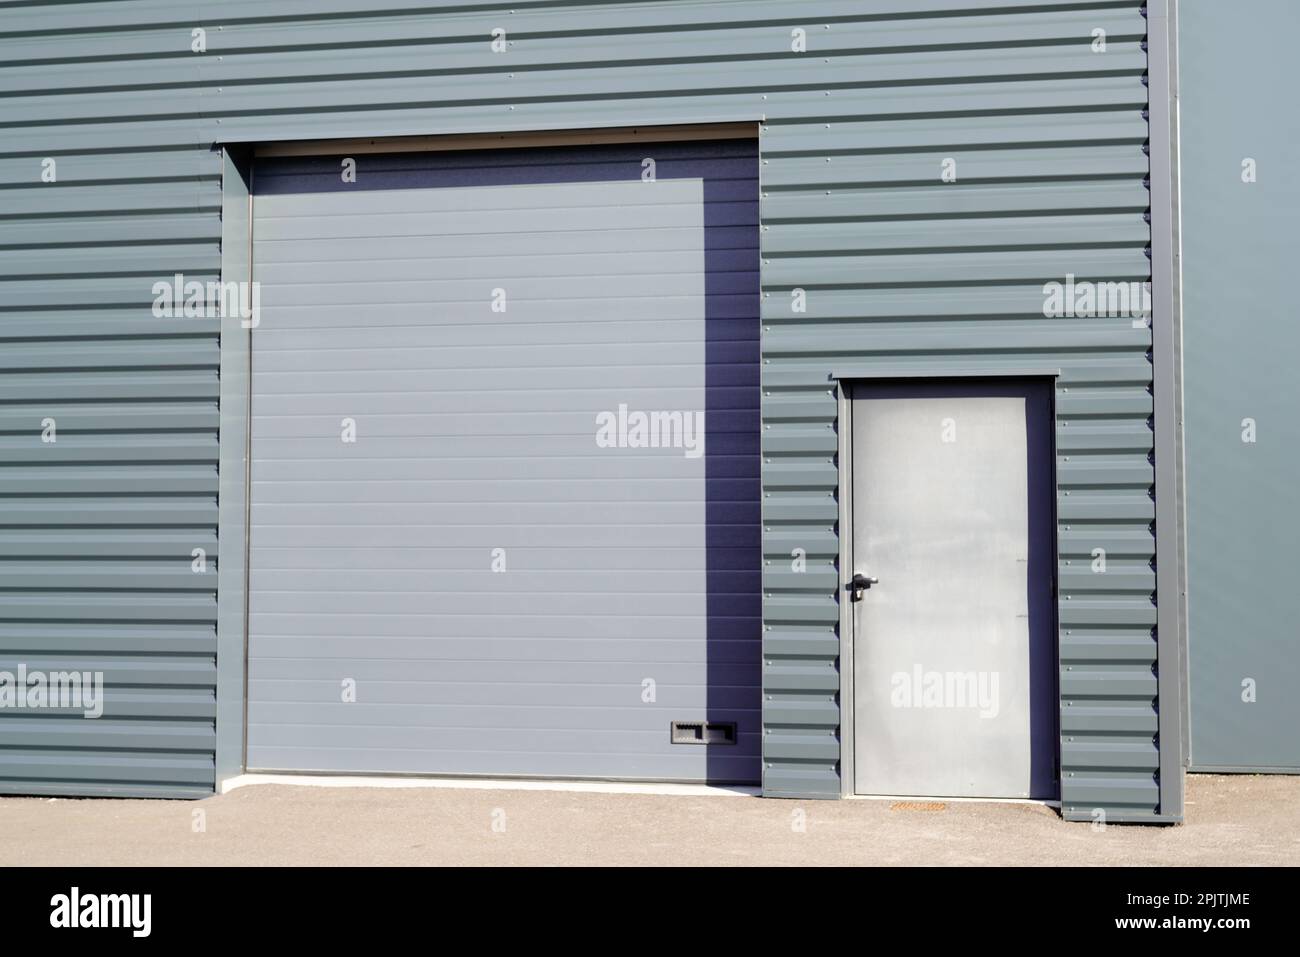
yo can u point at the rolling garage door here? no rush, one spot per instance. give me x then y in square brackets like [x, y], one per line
[504, 464]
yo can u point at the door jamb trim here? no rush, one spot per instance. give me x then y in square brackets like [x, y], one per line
[234, 395]
[514, 139]
[844, 426]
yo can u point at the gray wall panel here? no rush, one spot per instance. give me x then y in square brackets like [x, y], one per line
[1047, 135]
[1240, 340]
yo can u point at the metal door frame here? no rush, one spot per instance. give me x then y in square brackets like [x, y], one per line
[234, 500]
[845, 382]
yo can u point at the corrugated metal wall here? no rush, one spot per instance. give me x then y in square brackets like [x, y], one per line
[100, 525]
[901, 269]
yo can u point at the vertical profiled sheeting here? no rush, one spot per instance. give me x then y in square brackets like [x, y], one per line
[1039, 105]
[1239, 129]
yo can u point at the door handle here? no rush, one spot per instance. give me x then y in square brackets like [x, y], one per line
[860, 584]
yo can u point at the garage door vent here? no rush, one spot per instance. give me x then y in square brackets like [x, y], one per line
[704, 732]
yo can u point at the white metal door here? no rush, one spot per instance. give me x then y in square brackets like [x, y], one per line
[954, 653]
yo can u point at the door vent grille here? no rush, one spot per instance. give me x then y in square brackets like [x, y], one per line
[704, 732]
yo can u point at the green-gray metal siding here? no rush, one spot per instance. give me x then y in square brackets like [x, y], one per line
[100, 525]
[902, 271]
